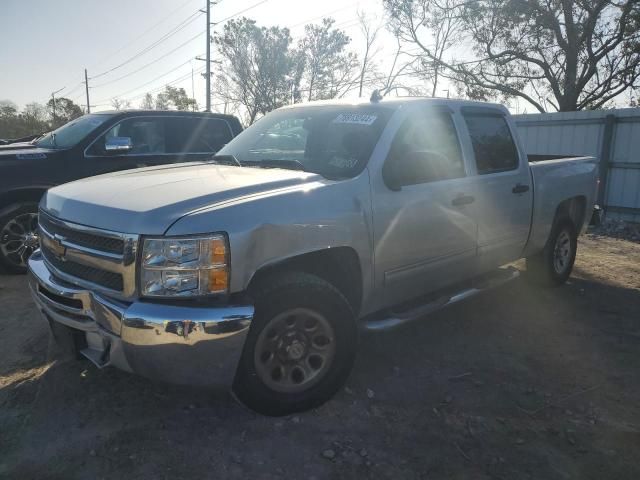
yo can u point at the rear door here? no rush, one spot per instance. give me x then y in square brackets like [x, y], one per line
[503, 187]
[196, 138]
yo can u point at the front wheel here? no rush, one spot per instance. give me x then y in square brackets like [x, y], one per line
[554, 264]
[18, 235]
[300, 348]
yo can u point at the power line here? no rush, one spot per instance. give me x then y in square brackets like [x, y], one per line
[132, 41]
[164, 85]
[73, 89]
[240, 12]
[123, 94]
[324, 15]
[148, 64]
[169, 34]
[170, 14]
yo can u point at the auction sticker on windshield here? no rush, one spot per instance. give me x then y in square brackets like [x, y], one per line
[357, 118]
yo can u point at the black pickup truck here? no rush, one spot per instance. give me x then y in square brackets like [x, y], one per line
[90, 145]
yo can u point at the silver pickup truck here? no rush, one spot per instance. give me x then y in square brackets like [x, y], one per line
[257, 269]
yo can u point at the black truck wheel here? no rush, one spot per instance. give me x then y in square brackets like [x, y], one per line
[300, 348]
[18, 235]
[553, 265]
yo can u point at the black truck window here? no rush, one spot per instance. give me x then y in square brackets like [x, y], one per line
[196, 134]
[493, 146]
[147, 136]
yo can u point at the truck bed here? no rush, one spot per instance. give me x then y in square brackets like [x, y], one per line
[556, 178]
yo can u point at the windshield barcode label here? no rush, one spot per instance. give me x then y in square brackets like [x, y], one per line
[358, 118]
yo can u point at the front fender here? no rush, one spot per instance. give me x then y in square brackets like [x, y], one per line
[272, 227]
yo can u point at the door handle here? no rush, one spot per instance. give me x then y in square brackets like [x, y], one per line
[520, 188]
[462, 200]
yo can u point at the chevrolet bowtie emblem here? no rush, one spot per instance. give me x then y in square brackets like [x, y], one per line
[57, 247]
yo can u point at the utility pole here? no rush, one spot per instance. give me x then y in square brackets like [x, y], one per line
[86, 86]
[207, 59]
[53, 101]
[193, 91]
[208, 78]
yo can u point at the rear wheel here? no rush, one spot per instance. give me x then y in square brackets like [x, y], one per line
[554, 264]
[301, 346]
[18, 235]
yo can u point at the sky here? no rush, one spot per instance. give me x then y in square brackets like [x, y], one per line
[46, 44]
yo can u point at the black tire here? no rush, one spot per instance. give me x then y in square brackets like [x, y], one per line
[280, 294]
[15, 262]
[542, 268]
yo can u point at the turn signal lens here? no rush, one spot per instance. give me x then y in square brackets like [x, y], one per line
[218, 248]
[218, 280]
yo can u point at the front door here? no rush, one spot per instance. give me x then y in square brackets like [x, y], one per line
[425, 230]
[147, 141]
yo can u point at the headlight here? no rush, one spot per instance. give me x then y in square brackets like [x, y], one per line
[184, 267]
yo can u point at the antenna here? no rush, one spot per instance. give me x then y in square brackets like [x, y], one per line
[375, 96]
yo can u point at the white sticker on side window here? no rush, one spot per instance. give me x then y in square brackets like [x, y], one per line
[357, 118]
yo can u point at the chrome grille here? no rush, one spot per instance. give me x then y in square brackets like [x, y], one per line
[106, 244]
[96, 259]
[110, 280]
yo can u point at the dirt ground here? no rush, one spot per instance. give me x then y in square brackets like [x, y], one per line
[518, 383]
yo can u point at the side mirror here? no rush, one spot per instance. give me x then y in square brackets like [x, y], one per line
[118, 144]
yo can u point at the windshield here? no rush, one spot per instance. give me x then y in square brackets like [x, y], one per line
[71, 133]
[335, 141]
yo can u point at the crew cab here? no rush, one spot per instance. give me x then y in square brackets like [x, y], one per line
[90, 145]
[257, 269]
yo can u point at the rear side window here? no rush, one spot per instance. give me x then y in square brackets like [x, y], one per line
[197, 135]
[493, 145]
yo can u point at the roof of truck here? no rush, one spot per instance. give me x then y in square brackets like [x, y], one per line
[394, 102]
[180, 113]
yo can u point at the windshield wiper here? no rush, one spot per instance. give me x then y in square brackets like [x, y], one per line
[288, 164]
[226, 160]
[53, 139]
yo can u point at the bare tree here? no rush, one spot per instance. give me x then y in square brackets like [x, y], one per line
[570, 54]
[370, 34]
[147, 102]
[119, 104]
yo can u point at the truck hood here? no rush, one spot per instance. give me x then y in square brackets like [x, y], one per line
[26, 150]
[149, 200]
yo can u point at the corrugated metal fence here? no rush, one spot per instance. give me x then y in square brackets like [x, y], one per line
[613, 136]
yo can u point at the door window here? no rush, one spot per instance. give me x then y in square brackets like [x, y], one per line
[426, 149]
[197, 135]
[493, 145]
[147, 137]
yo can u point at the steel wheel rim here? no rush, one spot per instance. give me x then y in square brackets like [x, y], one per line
[19, 238]
[295, 350]
[562, 252]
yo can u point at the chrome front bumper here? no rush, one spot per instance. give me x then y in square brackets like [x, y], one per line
[182, 344]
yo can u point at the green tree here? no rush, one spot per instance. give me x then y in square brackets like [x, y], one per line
[33, 119]
[62, 111]
[177, 97]
[329, 69]
[256, 68]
